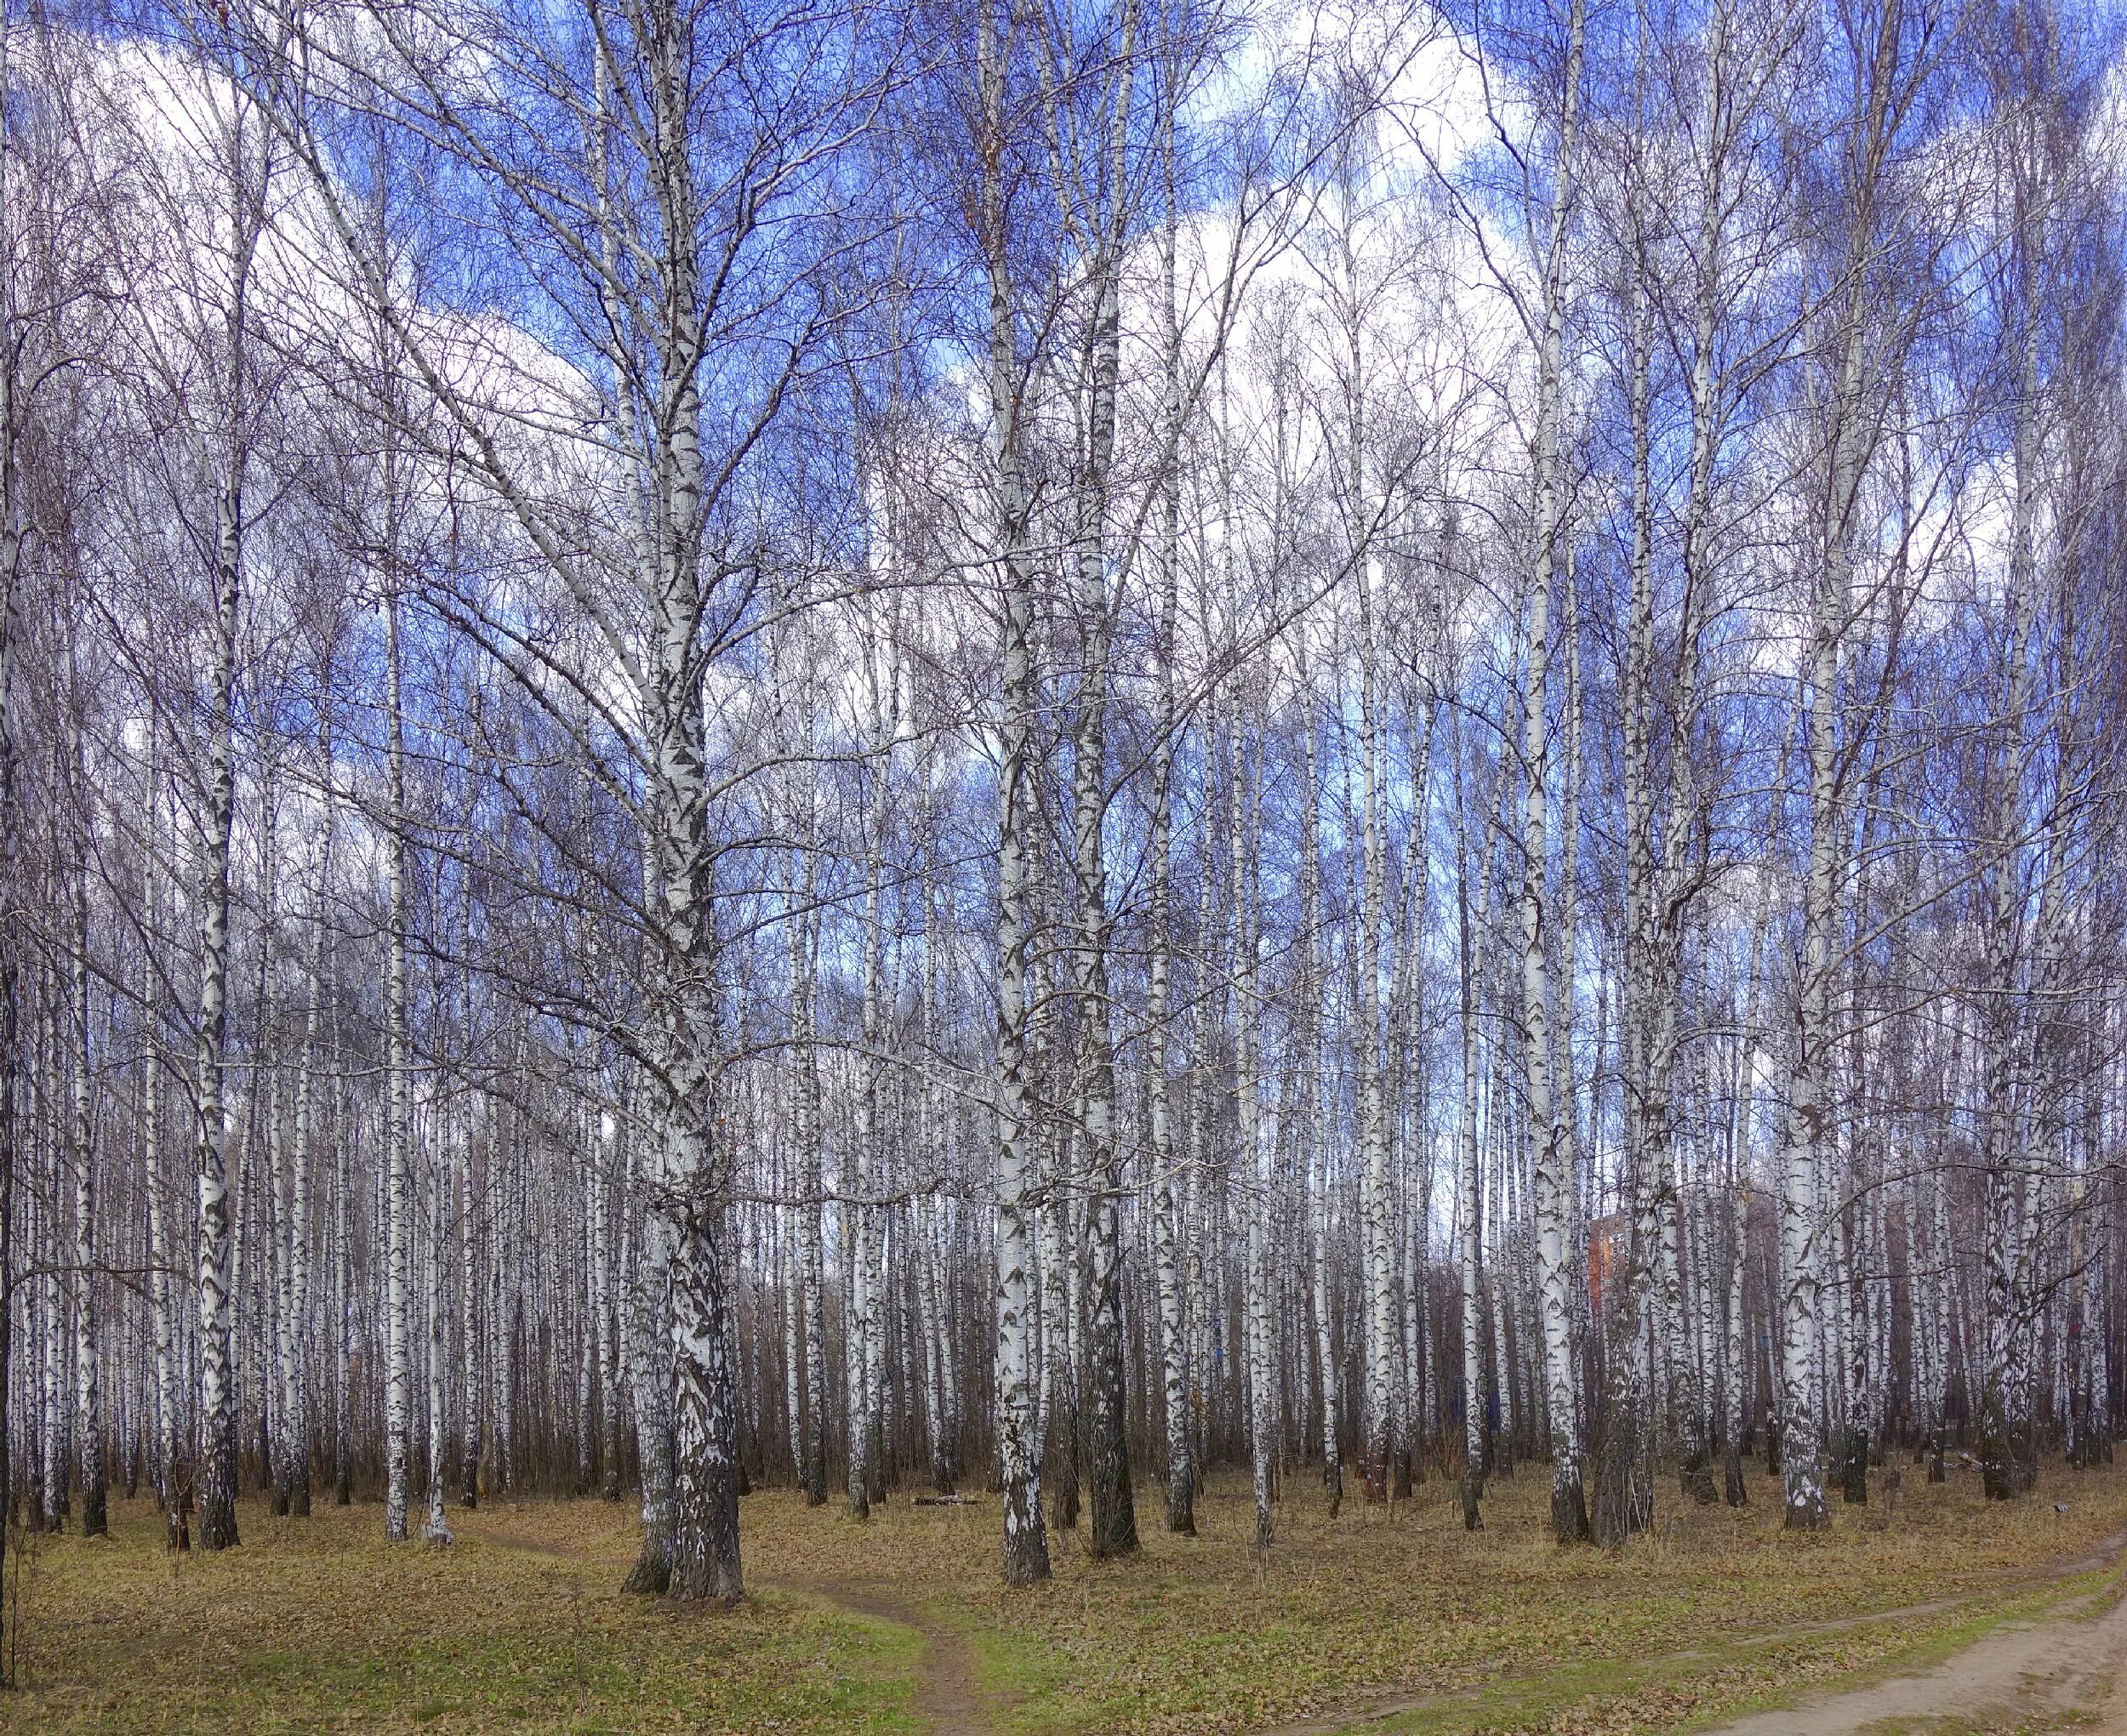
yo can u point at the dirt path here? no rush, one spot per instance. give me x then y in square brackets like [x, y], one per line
[524, 1545]
[2112, 1715]
[2065, 1662]
[2021, 1672]
[946, 1695]
[2069, 1661]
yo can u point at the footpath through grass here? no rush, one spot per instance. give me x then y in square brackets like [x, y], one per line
[319, 1625]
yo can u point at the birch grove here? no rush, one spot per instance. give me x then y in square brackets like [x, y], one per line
[979, 750]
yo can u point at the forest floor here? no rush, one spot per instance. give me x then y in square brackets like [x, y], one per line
[1372, 1621]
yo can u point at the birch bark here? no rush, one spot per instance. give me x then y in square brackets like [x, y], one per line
[89, 1419]
[398, 1397]
[1026, 1550]
[1552, 1180]
[1469, 1188]
[162, 1318]
[294, 1457]
[217, 1417]
[1115, 1525]
[1167, 1219]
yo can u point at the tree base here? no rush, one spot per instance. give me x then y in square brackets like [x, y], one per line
[1473, 1492]
[1734, 1490]
[1569, 1510]
[1853, 1468]
[651, 1574]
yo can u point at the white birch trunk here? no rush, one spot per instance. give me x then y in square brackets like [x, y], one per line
[170, 1480]
[1167, 1228]
[217, 1415]
[650, 1379]
[436, 1245]
[88, 1421]
[398, 1397]
[1026, 1550]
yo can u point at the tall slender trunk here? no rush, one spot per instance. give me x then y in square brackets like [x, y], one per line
[11, 550]
[1257, 1130]
[1314, 1083]
[604, 1176]
[342, 1330]
[1470, 1222]
[866, 1323]
[175, 1489]
[805, 1137]
[1802, 1421]
[436, 1243]
[398, 1396]
[1553, 1183]
[88, 1419]
[216, 1413]
[1026, 1549]
[1624, 1494]
[2010, 1212]
[1114, 1524]
[1167, 1219]
[1376, 1203]
[471, 1367]
[1805, 1159]
[294, 1458]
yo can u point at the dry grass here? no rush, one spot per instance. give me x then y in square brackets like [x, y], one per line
[1194, 1637]
[318, 1624]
